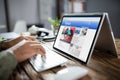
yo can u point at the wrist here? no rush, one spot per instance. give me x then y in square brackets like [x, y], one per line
[5, 44]
[15, 50]
[1, 43]
[15, 53]
[2, 47]
[17, 56]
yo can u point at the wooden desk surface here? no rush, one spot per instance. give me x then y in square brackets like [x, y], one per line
[102, 66]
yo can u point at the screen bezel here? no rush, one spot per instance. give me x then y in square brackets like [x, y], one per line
[94, 39]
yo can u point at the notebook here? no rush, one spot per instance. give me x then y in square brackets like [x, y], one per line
[76, 38]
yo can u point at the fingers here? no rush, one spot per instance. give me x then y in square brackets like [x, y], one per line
[33, 42]
[40, 52]
[30, 38]
[36, 46]
[39, 48]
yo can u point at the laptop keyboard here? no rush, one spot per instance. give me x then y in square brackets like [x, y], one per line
[50, 60]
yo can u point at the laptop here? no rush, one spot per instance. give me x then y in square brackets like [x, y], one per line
[106, 40]
[77, 36]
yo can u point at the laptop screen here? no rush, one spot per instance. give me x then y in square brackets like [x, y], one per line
[76, 35]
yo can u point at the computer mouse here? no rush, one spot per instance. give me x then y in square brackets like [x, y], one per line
[71, 73]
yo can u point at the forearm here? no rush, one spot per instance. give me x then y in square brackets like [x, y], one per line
[7, 63]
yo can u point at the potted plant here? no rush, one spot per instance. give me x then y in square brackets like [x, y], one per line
[54, 24]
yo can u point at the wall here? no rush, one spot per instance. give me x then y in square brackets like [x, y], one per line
[2, 17]
[47, 9]
[32, 11]
[22, 10]
[110, 6]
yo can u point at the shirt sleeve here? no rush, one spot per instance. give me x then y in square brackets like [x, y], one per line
[8, 62]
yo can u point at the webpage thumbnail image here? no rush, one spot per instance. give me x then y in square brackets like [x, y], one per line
[75, 37]
[67, 34]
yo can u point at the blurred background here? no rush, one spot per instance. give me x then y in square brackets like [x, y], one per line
[37, 12]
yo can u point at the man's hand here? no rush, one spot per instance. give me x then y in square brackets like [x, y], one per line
[29, 49]
[6, 45]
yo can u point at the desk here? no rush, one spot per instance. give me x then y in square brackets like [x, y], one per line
[102, 66]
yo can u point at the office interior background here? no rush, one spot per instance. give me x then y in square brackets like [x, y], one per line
[38, 11]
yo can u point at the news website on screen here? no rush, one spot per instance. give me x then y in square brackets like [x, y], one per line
[76, 35]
